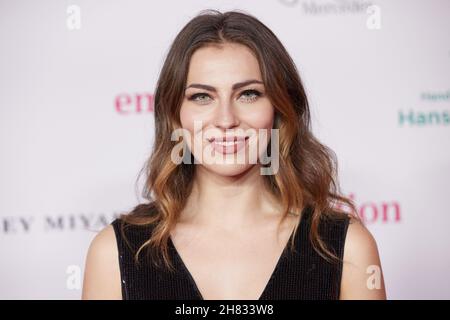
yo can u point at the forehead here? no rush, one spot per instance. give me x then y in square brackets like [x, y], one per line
[223, 65]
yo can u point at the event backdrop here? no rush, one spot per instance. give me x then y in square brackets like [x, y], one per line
[76, 120]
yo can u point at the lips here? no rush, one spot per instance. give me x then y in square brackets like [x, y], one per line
[227, 145]
[231, 139]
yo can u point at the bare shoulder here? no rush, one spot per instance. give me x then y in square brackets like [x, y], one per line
[362, 275]
[359, 240]
[102, 273]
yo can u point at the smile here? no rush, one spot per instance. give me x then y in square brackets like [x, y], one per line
[229, 145]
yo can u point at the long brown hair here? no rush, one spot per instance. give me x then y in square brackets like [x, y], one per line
[307, 174]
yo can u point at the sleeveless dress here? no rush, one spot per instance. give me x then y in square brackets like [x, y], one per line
[300, 274]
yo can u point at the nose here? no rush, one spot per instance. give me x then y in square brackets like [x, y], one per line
[225, 116]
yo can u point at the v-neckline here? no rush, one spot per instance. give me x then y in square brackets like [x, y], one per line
[280, 261]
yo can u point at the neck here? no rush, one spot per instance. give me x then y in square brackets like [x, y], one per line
[231, 202]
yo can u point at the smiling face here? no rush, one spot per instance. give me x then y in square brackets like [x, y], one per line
[225, 108]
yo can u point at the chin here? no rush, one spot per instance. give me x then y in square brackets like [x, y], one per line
[227, 170]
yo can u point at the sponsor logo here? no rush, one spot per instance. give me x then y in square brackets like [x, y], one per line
[433, 115]
[10, 225]
[134, 103]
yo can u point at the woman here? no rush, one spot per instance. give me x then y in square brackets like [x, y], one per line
[217, 225]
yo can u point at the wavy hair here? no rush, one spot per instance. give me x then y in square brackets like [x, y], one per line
[307, 174]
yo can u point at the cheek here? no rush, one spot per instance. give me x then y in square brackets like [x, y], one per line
[261, 118]
[187, 123]
[186, 118]
[192, 118]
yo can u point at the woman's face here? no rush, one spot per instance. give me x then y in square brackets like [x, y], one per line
[225, 100]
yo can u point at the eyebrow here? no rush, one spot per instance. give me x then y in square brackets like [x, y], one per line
[234, 87]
